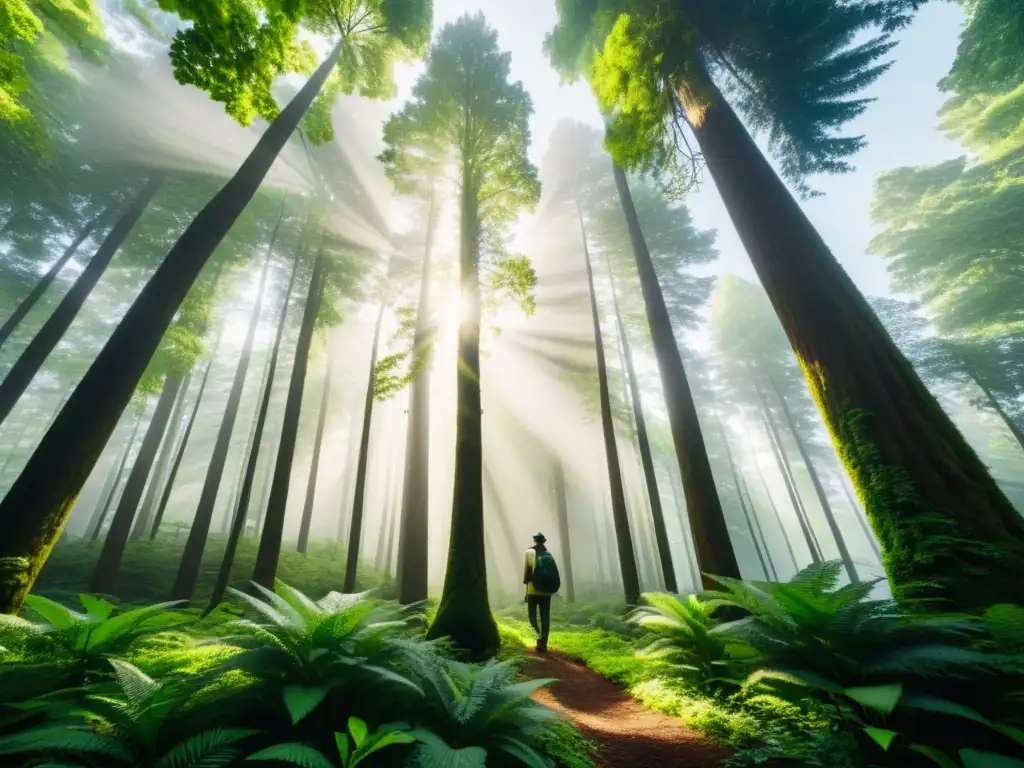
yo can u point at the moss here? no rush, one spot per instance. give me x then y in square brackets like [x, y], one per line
[932, 563]
[468, 625]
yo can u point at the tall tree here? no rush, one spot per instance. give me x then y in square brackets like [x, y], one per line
[314, 466]
[229, 53]
[654, 69]
[100, 517]
[562, 513]
[47, 338]
[465, 103]
[265, 569]
[191, 559]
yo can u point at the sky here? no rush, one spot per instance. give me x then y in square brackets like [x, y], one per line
[900, 126]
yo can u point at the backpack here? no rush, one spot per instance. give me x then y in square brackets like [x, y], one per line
[545, 573]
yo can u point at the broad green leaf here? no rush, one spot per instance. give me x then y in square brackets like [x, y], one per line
[943, 706]
[387, 674]
[975, 759]
[881, 698]
[881, 736]
[937, 756]
[1008, 730]
[293, 753]
[54, 613]
[443, 756]
[358, 730]
[301, 700]
[341, 741]
[377, 744]
[126, 623]
[524, 753]
[802, 677]
[96, 607]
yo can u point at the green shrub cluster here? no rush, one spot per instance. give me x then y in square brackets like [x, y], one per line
[836, 678]
[277, 679]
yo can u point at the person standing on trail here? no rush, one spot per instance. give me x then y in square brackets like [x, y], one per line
[542, 581]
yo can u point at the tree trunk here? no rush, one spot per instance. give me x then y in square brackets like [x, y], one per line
[191, 559]
[108, 567]
[97, 523]
[859, 514]
[47, 338]
[392, 530]
[26, 304]
[787, 477]
[745, 489]
[624, 539]
[658, 515]
[265, 569]
[415, 510]
[771, 501]
[684, 525]
[95, 519]
[941, 517]
[355, 531]
[464, 613]
[145, 517]
[739, 495]
[36, 507]
[307, 507]
[169, 485]
[562, 511]
[386, 518]
[826, 508]
[14, 448]
[349, 479]
[1015, 430]
[704, 509]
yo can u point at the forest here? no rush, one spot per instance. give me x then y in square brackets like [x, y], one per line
[315, 314]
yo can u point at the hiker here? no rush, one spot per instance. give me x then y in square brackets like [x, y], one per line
[542, 581]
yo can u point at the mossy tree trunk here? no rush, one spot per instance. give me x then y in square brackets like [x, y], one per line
[318, 440]
[269, 553]
[464, 613]
[644, 443]
[703, 507]
[355, 531]
[413, 531]
[620, 516]
[173, 474]
[108, 567]
[26, 304]
[191, 559]
[48, 337]
[940, 516]
[37, 505]
[144, 518]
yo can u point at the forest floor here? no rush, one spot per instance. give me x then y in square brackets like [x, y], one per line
[628, 733]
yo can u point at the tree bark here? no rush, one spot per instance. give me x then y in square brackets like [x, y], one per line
[464, 613]
[191, 559]
[355, 531]
[265, 570]
[169, 485]
[562, 511]
[386, 518]
[349, 479]
[624, 539]
[108, 567]
[684, 524]
[819, 489]
[47, 338]
[859, 514]
[646, 460]
[704, 509]
[941, 518]
[26, 304]
[36, 507]
[307, 507]
[771, 501]
[413, 531]
[144, 519]
[745, 489]
[97, 523]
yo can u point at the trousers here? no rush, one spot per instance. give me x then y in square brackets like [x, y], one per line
[541, 604]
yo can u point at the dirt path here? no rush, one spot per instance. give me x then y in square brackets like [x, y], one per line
[630, 735]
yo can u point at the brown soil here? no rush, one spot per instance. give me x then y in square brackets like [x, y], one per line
[630, 735]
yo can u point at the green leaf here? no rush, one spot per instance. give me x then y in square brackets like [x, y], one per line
[524, 753]
[795, 677]
[55, 738]
[209, 749]
[377, 744]
[881, 698]
[443, 756]
[975, 759]
[55, 614]
[301, 700]
[96, 607]
[358, 730]
[1008, 730]
[341, 740]
[943, 706]
[881, 736]
[387, 674]
[127, 623]
[293, 753]
[937, 756]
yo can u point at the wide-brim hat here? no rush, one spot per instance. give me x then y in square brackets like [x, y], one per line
[538, 536]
